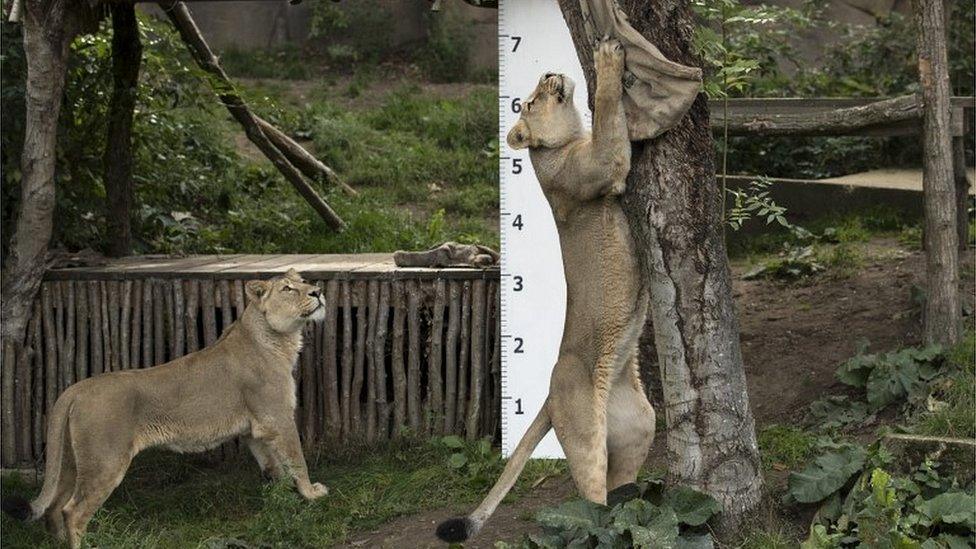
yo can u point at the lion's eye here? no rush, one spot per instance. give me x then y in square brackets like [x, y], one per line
[289, 289]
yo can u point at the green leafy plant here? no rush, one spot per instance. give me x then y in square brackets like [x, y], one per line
[893, 376]
[477, 461]
[654, 517]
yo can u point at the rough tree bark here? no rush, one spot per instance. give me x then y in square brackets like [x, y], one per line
[673, 203]
[942, 316]
[117, 161]
[48, 30]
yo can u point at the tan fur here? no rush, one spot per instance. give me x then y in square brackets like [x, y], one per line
[241, 386]
[596, 402]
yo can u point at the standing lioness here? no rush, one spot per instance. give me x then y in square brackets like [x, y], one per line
[241, 386]
[596, 402]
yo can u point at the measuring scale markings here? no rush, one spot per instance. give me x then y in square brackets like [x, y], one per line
[533, 39]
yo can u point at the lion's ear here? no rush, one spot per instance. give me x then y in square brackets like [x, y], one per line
[256, 289]
[293, 275]
[519, 137]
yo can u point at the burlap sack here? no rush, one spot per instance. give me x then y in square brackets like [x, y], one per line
[657, 91]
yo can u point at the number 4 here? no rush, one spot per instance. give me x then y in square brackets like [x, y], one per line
[517, 222]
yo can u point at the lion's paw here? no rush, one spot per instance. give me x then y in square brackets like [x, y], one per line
[608, 57]
[316, 491]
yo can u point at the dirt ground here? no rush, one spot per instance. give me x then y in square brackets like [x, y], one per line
[794, 335]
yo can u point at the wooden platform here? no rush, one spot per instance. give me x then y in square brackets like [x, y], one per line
[244, 266]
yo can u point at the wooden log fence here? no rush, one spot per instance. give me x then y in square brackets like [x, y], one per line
[401, 352]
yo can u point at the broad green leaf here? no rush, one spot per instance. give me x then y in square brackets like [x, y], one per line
[827, 474]
[452, 441]
[691, 507]
[574, 515]
[951, 508]
[458, 460]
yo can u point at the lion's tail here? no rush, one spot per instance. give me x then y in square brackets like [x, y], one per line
[20, 508]
[459, 529]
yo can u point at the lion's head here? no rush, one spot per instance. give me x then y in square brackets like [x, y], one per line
[549, 119]
[287, 302]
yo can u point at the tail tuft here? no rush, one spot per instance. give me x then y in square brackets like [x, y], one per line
[18, 507]
[456, 530]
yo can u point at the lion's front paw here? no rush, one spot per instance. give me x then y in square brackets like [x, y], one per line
[608, 57]
[316, 490]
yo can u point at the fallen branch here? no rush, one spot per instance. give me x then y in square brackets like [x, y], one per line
[180, 16]
[922, 438]
[312, 167]
[841, 121]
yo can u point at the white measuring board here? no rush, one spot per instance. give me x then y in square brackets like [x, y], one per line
[532, 39]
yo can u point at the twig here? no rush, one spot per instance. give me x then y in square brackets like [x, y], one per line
[923, 438]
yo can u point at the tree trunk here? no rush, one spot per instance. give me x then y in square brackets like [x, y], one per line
[126, 60]
[47, 34]
[942, 314]
[962, 190]
[673, 203]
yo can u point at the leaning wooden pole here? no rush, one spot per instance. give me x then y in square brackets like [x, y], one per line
[204, 56]
[942, 314]
[312, 167]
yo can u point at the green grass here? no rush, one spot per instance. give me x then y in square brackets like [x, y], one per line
[784, 445]
[956, 418]
[172, 501]
[425, 169]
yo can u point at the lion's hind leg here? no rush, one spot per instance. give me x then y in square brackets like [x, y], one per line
[630, 428]
[66, 487]
[579, 420]
[101, 459]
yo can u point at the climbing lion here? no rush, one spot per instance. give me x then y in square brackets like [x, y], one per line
[596, 402]
[241, 386]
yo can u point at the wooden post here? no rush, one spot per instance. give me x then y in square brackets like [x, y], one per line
[333, 415]
[396, 357]
[477, 357]
[81, 330]
[192, 310]
[382, 405]
[450, 358]
[161, 308]
[125, 331]
[463, 364]
[414, 404]
[435, 385]
[135, 339]
[58, 302]
[942, 315]
[371, 359]
[117, 161]
[208, 312]
[205, 58]
[347, 358]
[50, 350]
[96, 306]
[68, 350]
[148, 328]
[962, 190]
[362, 319]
